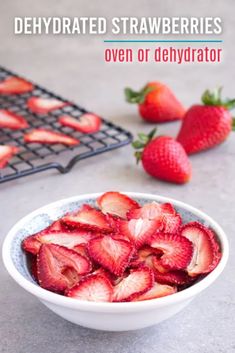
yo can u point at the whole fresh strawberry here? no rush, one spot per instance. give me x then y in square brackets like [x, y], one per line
[205, 126]
[157, 103]
[163, 158]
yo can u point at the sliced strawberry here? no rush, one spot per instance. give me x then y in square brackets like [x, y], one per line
[169, 277]
[6, 153]
[177, 250]
[15, 85]
[144, 256]
[31, 245]
[157, 291]
[11, 120]
[171, 223]
[116, 203]
[59, 268]
[91, 219]
[68, 239]
[81, 249]
[168, 209]
[86, 207]
[139, 230]
[87, 123]
[112, 254]
[96, 288]
[206, 253]
[33, 267]
[164, 213]
[102, 271]
[41, 105]
[172, 277]
[152, 211]
[138, 282]
[57, 225]
[49, 137]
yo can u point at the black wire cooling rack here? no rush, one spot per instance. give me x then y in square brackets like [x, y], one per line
[35, 158]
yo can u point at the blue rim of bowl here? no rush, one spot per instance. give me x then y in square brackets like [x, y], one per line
[72, 303]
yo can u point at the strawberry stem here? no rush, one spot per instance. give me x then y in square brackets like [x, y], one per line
[137, 96]
[233, 124]
[214, 98]
[140, 144]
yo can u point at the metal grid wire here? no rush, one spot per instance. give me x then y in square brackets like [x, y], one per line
[34, 157]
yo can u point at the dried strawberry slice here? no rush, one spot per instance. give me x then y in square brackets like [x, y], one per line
[49, 137]
[152, 211]
[112, 254]
[157, 291]
[206, 253]
[177, 250]
[88, 219]
[96, 288]
[56, 226]
[6, 153]
[81, 249]
[15, 85]
[145, 256]
[116, 204]
[68, 239]
[45, 105]
[60, 268]
[171, 223]
[33, 267]
[11, 120]
[139, 230]
[138, 282]
[87, 123]
[164, 213]
[169, 277]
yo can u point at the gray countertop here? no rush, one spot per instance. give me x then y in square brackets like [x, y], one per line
[74, 67]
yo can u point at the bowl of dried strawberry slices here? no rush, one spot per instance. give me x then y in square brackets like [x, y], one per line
[116, 261]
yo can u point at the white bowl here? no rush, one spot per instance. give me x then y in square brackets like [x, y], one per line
[104, 316]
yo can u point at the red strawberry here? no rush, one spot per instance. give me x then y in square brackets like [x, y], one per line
[49, 137]
[91, 220]
[87, 123]
[117, 204]
[11, 120]
[112, 254]
[157, 103]
[177, 250]
[138, 282]
[206, 253]
[60, 268]
[68, 239]
[41, 105]
[207, 125]
[157, 291]
[6, 153]
[15, 85]
[139, 230]
[95, 288]
[163, 158]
